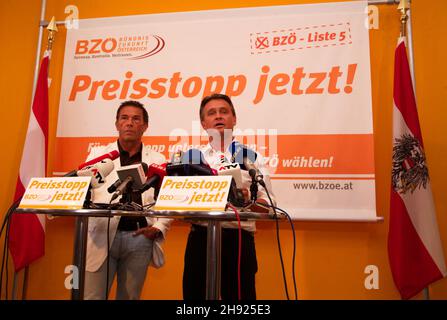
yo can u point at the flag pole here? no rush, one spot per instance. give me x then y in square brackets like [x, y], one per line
[426, 291]
[36, 74]
[407, 32]
[39, 47]
[52, 29]
[410, 48]
[403, 7]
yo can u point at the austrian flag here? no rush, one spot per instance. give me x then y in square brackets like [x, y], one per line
[27, 233]
[414, 245]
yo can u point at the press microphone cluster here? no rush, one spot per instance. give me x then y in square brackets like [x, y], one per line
[193, 163]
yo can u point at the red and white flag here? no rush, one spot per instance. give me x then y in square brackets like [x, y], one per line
[27, 231]
[414, 245]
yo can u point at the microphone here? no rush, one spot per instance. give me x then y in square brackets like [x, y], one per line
[112, 188]
[253, 171]
[192, 164]
[155, 175]
[138, 172]
[236, 195]
[246, 159]
[193, 156]
[111, 155]
[195, 164]
[177, 157]
[250, 167]
[122, 187]
[231, 169]
[239, 152]
[132, 176]
[175, 167]
[99, 171]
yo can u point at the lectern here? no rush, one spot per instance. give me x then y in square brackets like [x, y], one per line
[214, 219]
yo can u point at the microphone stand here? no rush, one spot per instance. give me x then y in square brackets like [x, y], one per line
[156, 192]
[254, 188]
[88, 197]
[127, 194]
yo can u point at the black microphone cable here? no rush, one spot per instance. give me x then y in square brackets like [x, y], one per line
[259, 179]
[239, 295]
[5, 259]
[108, 252]
[279, 243]
[8, 214]
[8, 229]
[294, 243]
[148, 206]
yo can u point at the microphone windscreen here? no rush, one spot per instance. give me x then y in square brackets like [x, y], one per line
[156, 169]
[98, 172]
[239, 152]
[111, 155]
[154, 177]
[177, 157]
[136, 171]
[145, 168]
[232, 169]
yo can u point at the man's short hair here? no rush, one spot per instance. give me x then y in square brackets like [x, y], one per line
[136, 104]
[215, 96]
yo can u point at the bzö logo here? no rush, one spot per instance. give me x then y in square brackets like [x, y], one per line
[167, 197]
[130, 47]
[175, 198]
[96, 46]
[37, 197]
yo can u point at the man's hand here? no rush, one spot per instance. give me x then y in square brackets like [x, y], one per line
[149, 232]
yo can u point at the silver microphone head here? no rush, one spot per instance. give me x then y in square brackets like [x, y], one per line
[177, 157]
